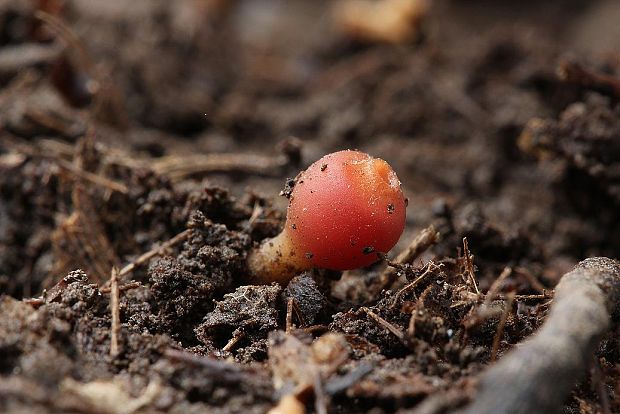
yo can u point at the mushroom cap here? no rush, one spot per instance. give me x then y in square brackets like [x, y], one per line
[345, 210]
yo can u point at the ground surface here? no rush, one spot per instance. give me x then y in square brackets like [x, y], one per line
[500, 118]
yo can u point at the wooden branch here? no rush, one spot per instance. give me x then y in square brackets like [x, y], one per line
[538, 375]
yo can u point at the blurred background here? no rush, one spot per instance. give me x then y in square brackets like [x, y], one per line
[243, 93]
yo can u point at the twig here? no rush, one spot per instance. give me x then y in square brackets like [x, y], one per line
[496, 286]
[297, 311]
[237, 336]
[256, 212]
[470, 265]
[534, 282]
[417, 310]
[116, 316]
[412, 321]
[425, 239]
[179, 167]
[289, 315]
[94, 178]
[547, 294]
[54, 156]
[537, 376]
[47, 119]
[430, 268]
[500, 328]
[292, 307]
[154, 252]
[385, 324]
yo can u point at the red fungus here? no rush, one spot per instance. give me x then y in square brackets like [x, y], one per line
[344, 211]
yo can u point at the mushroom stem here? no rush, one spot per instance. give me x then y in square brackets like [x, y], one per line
[276, 260]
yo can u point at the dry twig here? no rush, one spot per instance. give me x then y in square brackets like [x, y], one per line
[385, 324]
[425, 239]
[156, 251]
[500, 328]
[532, 280]
[496, 286]
[180, 167]
[93, 178]
[537, 376]
[547, 294]
[237, 336]
[431, 267]
[289, 315]
[56, 152]
[470, 265]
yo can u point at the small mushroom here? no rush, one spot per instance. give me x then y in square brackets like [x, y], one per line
[345, 211]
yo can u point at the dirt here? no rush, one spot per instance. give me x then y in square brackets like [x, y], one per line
[125, 124]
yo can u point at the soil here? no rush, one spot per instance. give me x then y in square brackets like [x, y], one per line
[126, 124]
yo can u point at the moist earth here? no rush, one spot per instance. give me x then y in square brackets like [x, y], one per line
[170, 128]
